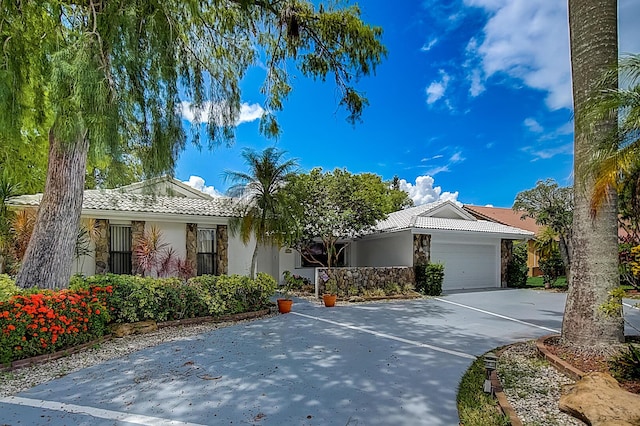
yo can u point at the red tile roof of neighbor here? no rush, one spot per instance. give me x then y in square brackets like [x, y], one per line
[504, 216]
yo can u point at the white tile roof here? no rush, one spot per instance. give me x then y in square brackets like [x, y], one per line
[115, 200]
[420, 217]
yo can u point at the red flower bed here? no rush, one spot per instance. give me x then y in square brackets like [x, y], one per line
[47, 321]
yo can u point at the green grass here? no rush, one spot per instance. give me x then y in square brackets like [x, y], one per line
[475, 407]
[538, 282]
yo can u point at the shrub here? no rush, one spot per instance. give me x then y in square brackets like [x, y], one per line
[39, 323]
[7, 287]
[552, 268]
[429, 278]
[517, 269]
[626, 365]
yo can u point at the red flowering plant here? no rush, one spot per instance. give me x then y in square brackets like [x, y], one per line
[37, 323]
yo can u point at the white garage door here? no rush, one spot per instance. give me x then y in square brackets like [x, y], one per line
[467, 266]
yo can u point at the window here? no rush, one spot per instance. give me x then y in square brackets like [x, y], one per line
[206, 252]
[120, 249]
[317, 251]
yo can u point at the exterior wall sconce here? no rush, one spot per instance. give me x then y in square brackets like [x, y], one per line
[490, 365]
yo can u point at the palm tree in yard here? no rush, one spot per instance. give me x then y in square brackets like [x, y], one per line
[594, 273]
[264, 213]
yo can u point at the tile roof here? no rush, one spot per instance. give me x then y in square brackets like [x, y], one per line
[425, 217]
[115, 200]
[504, 216]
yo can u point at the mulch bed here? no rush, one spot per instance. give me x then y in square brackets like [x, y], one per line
[588, 363]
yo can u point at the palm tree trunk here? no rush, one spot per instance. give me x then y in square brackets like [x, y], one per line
[254, 261]
[594, 264]
[49, 257]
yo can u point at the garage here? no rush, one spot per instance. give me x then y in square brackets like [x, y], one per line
[467, 266]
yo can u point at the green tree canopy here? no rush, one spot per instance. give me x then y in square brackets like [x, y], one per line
[335, 206]
[110, 77]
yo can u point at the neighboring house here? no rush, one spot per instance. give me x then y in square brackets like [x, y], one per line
[474, 252]
[193, 224]
[513, 218]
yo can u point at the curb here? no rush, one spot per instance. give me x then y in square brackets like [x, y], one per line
[557, 362]
[506, 408]
[41, 359]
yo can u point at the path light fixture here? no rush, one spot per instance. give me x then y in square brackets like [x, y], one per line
[490, 365]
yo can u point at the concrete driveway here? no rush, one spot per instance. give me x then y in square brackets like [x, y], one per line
[372, 364]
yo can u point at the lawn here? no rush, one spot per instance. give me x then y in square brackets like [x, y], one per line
[537, 282]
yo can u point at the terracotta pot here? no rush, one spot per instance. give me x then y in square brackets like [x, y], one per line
[329, 300]
[284, 305]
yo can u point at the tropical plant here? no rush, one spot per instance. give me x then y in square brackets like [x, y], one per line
[332, 207]
[552, 207]
[111, 79]
[264, 214]
[517, 269]
[594, 263]
[552, 268]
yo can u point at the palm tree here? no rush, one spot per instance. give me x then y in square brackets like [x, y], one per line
[594, 269]
[616, 158]
[264, 213]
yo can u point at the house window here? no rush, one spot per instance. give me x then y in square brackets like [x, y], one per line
[317, 251]
[120, 249]
[206, 252]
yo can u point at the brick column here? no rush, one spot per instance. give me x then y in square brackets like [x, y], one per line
[506, 252]
[222, 247]
[421, 249]
[137, 232]
[102, 246]
[192, 246]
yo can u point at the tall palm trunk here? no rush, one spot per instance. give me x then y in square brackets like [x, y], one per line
[49, 257]
[594, 268]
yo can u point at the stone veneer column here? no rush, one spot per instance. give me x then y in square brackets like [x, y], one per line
[506, 253]
[102, 246]
[137, 232]
[192, 246]
[421, 249]
[222, 247]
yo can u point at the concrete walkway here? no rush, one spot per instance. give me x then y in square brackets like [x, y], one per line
[393, 363]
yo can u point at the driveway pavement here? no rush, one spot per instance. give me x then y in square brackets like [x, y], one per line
[371, 364]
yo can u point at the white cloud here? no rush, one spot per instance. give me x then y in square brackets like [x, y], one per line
[423, 191]
[533, 125]
[198, 183]
[541, 153]
[529, 41]
[436, 89]
[428, 46]
[456, 158]
[248, 112]
[477, 86]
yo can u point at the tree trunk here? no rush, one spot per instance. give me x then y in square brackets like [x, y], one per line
[594, 263]
[49, 257]
[254, 261]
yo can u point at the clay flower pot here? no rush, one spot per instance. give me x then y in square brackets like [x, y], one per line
[284, 305]
[329, 300]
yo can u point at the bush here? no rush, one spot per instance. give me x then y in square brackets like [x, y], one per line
[39, 323]
[231, 294]
[517, 269]
[429, 278]
[626, 365]
[7, 287]
[552, 268]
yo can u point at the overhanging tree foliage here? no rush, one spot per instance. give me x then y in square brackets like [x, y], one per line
[108, 78]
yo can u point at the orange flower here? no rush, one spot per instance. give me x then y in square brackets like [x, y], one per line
[97, 311]
[11, 327]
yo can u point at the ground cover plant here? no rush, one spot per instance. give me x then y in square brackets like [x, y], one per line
[35, 321]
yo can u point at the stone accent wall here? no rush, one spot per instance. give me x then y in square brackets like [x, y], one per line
[354, 281]
[137, 231]
[102, 246]
[192, 245]
[506, 252]
[222, 247]
[421, 249]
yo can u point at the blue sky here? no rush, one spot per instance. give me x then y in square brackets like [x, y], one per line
[472, 103]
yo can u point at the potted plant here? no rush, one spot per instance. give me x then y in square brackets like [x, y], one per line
[330, 293]
[285, 302]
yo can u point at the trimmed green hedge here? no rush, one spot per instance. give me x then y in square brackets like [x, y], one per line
[429, 278]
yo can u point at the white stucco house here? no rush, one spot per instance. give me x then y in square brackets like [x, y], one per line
[192, 223]
[475, 252]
